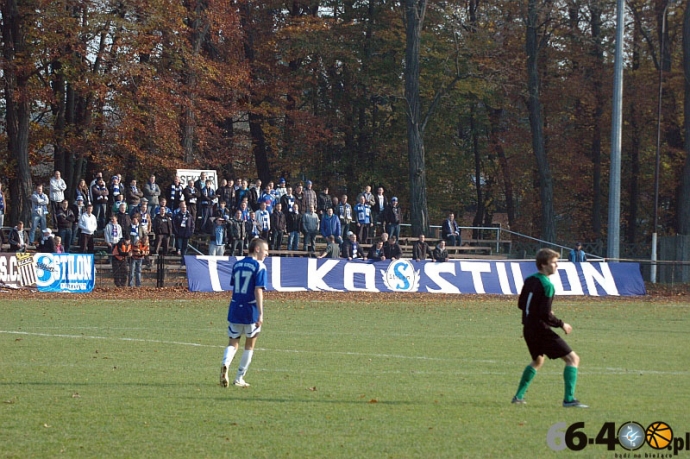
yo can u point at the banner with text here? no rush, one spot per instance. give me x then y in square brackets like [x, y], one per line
[48, 272]
[194, 174]
[212, 274]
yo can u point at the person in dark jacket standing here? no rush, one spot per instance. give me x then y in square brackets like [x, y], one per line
[191, 196]
[175, 195]
[123, 219]
[183, 227]
[294, 227]
[163, 230]
[323, 202]
[420, 249]
[65, 222]
[278, 226]
[100, 196]
[122, 252]
[392, 218]
[134, 194]
[237, 233]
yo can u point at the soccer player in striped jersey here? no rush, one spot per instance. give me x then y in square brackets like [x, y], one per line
[537, 320]
[246, 311]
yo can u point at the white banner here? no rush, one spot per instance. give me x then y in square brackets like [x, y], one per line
[194, 174]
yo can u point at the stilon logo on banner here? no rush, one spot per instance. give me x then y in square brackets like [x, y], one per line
[48, 272]
[401, 276]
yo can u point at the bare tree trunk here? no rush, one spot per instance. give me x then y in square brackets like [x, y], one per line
[69, 109]
[481, 205]
[683, 207]
[598, 53]
[367, 155]
[188, 128]
[636, 129]
[18, 106]
[259, 148]
[419, 212]
[634, 189]
[495, 116]
[548, 228]
[256, 120]
[200, 27]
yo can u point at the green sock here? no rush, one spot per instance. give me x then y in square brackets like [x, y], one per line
[570, 378]
[527, 377]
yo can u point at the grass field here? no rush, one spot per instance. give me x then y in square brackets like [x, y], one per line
[337, 378]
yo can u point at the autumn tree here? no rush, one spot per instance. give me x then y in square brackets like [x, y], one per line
[430, 99]
[128, 86]
[18, 19]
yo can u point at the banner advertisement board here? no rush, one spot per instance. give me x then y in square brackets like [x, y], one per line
[212, 274]
[194, 174]
[48, 272]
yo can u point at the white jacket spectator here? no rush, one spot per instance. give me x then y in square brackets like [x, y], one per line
[57, 188]
[88, 223]
[112, 233]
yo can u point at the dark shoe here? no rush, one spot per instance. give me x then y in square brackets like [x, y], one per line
[574, 403]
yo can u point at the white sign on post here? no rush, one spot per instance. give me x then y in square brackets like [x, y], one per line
[194, 174]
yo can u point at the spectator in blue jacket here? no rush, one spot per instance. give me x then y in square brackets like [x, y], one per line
[362, 211]
[577, 255]
[330, 226]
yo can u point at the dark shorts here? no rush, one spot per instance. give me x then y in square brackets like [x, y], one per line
[546, 343]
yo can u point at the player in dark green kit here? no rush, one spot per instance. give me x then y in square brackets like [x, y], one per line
[537, 320]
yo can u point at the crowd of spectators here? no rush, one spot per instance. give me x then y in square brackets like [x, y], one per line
[229, 214]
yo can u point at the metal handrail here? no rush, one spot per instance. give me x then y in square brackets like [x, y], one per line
[498, 238]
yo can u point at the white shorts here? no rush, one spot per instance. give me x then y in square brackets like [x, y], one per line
[237, 330]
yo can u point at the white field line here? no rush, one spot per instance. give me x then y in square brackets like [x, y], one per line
[179, 343]
[587, 370]
[139, 340]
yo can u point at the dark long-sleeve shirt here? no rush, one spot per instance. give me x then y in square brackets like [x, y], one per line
[535, 302]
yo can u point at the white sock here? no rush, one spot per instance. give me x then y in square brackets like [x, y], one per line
[228, 356]
[244, 363]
